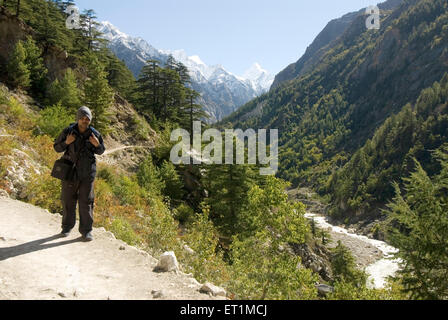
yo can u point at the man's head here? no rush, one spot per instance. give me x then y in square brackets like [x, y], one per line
[83, 117]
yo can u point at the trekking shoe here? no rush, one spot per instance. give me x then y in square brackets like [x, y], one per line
[87, 237]
[65, 233]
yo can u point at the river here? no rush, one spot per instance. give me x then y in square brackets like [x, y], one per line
[379, 270]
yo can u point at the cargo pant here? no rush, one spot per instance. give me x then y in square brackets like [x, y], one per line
[80, 191]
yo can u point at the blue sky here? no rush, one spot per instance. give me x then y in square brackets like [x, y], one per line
[233, 33]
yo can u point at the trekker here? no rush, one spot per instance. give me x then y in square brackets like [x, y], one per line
[80, 142]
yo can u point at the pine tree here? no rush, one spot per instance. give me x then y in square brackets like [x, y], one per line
[344, 268]
[98, 96]
[90, 31]
[172, 95]
[191, 111]
[173, 184]
[62, 5]
[65, 92]
[146, 95]
[50, 27]
[118, 75]
[149, 178]
[227, 187]
[180, 68]
[38, 71]
[183, 72]
[18, 70]
[418, 228]
[18, 8]
[163, 93]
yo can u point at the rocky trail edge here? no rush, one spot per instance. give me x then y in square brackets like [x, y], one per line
[36, 263]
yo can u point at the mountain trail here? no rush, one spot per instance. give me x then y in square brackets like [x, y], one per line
[123, 148]
[36, 263]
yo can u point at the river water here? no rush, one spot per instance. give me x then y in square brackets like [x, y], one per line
[378, 271]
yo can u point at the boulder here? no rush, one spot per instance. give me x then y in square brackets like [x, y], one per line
[3, 194]
[209, 288]
[167, 262]
[324, 289]
[157, 294]
[188, 249]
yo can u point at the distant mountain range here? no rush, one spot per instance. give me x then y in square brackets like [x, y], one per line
[221, 91]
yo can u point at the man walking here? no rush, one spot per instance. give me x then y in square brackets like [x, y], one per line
[80, 142]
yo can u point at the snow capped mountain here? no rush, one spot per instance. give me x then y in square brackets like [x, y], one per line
[221, 91]
[134, 51]
[255, 77]
[259, 78]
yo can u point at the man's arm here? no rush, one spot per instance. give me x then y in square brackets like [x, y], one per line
[59, 143]
[101, 148]
[97, 141]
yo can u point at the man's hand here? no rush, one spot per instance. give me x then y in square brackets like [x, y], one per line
[94, 140]
[70, 139]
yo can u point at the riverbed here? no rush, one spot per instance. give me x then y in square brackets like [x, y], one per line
[374, 256]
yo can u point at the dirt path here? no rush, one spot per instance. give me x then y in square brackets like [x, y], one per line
[36, 263]
[118, 155]
[122, 148]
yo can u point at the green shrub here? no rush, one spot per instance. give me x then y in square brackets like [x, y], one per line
[344, 267]
[184, 214]
[44, 191]
[54, 119]
[149, 177]
[140, 127]
[206, 263]
[161, 228]
[123, 230]
[128, 191]
[261, 272]
[173, 184]
[3, 96]
[65, 92]
[18, 70]
[108, 173]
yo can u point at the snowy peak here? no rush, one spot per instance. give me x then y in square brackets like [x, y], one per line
[197, 60]
[111, 32]
[259, 78]
[255, 77]
[221, 91]
[254, 72]
[114, 35]
[195, 65]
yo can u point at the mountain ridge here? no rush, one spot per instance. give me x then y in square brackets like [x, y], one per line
[325, 115]
[323, 42]
[221, 91]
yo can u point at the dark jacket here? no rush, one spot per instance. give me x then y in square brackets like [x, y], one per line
[86, 163]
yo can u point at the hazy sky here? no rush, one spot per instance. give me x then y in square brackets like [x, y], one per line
[233, 33]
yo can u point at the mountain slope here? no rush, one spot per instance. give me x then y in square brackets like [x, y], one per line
[326, 114]
[363, 185]
[323, 43]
